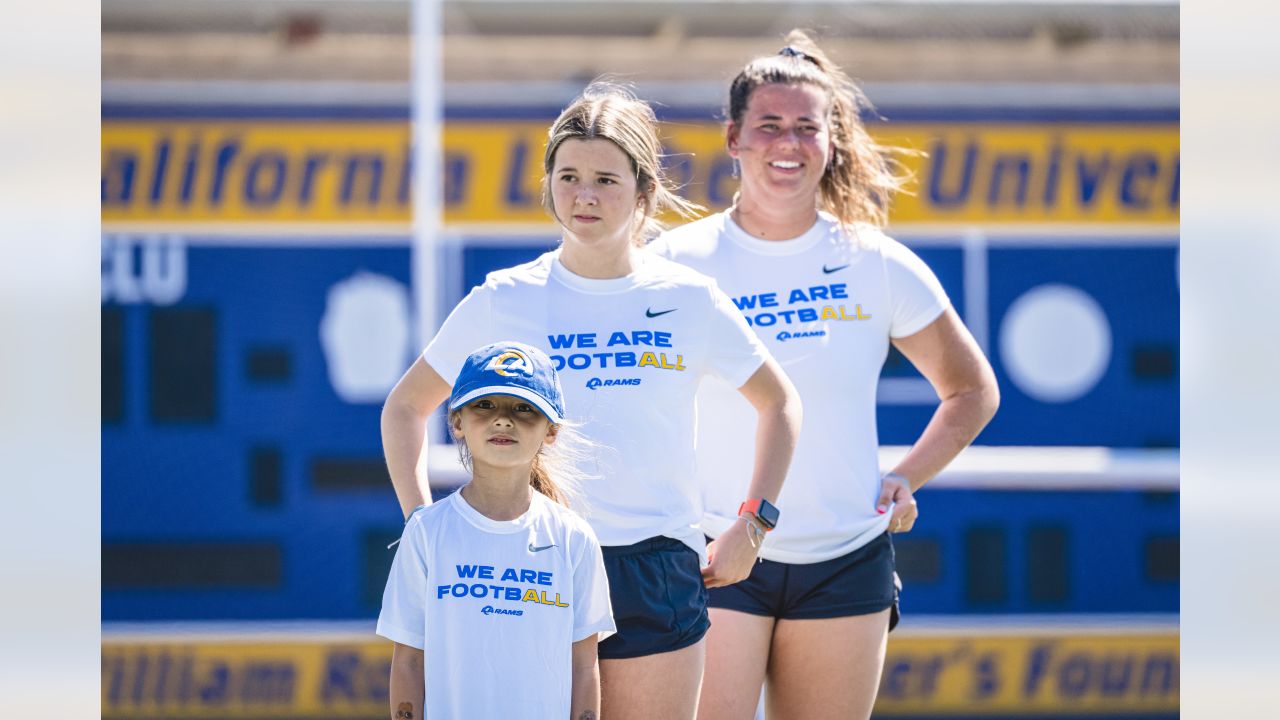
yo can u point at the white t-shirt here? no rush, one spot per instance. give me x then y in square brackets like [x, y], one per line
[631, 352]
[496, 606]
[825, 305]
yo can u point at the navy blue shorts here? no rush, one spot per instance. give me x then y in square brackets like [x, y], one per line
[860, 583]
[659, 601]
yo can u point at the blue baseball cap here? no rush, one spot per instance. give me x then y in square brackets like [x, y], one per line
[510, 368]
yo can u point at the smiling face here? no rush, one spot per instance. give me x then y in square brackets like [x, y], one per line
[594, 196]
[783, 143]
[502, 431]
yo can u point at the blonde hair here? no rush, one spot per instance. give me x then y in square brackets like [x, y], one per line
[557, 468]
[862, 175]
[611, 112]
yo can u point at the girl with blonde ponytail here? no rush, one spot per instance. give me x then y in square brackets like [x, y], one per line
[501, 570]
[632, 336]
[803, 252]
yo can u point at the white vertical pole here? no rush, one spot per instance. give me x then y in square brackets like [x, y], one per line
[977, 290]
[427, 120]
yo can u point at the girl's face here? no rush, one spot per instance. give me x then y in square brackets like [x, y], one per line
[593, 191]
[502, 431]
[783, 143]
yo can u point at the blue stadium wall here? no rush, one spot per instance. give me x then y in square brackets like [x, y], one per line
[240, 482]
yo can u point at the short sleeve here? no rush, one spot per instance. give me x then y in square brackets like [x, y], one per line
[661, 247]
[592, 611]
[403, 617]
[734, 353]
[915, 295]
[466, 329]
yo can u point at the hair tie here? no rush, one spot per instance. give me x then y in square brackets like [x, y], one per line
[792, 51]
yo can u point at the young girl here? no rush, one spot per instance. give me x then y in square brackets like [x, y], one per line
[802, 251]
[497, 595]
[632, 335]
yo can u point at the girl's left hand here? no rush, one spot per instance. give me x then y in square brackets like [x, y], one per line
[895, 492]
[731, 556]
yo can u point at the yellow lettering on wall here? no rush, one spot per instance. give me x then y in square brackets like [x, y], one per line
[1020, 674]
[260, 172]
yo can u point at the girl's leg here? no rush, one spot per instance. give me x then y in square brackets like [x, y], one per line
[828, 668]
[737, 655]
[653, 687]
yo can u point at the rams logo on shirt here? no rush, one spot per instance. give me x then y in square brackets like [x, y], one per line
[511, 363]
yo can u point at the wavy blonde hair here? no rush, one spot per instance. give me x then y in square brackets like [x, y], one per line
[862, 175]
[611, 112]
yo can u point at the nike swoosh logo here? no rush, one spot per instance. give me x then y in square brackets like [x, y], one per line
[540, 549]
[651, 313]
[828, 270]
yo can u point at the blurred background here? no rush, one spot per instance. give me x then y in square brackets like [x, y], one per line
[264, 283]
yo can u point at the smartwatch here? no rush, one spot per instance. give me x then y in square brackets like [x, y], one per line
[765, 511]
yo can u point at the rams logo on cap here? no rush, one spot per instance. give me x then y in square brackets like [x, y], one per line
[510, 364]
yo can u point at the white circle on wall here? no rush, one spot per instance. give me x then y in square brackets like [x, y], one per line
[364, 333]
[1055, 342]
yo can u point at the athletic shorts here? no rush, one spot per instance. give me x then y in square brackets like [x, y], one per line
[659, 601]
[860, 583]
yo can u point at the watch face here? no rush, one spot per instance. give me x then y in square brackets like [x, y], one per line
[768, 513]
[762, 509]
